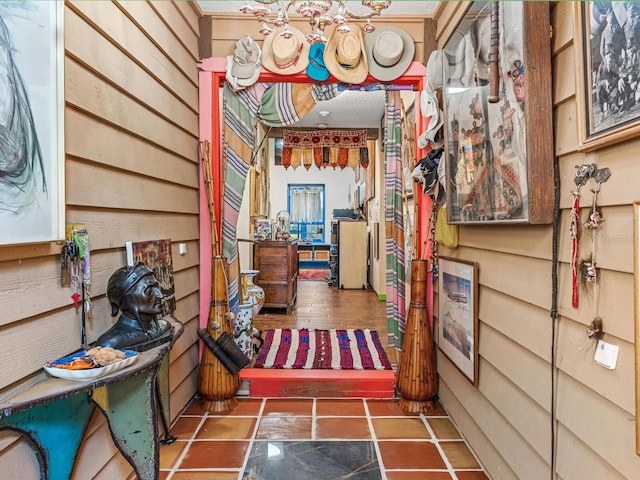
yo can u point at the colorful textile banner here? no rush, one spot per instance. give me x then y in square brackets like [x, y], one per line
[394, 221]
[349, 148]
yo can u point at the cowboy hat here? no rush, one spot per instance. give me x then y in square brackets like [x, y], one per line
[285, 51]
[429, 108]
[437, 70]
[389, 52]
[317, 70]
[243, 67]
[345, 58]
[432, 135]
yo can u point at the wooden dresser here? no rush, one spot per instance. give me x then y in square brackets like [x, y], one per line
[278, 265]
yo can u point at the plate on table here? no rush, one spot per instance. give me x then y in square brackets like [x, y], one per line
[87, 373]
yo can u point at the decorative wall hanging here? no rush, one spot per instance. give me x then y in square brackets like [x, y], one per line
[584, 273]
[32, 154]
[608, 71]
[497, 169]
[325, 148]
[458, 314]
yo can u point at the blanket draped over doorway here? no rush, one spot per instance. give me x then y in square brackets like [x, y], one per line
[322, 349]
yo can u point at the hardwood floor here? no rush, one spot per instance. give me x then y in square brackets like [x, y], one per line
[321, 306]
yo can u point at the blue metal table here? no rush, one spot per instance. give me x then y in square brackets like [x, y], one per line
[53, 414]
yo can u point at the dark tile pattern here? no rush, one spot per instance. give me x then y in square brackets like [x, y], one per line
[271, 460]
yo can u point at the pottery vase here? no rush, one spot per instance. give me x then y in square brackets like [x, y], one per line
[252, 293]
[243, 329]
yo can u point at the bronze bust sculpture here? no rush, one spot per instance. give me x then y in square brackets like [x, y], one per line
[135, 291]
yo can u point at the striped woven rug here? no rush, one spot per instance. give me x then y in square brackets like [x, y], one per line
[322, 349]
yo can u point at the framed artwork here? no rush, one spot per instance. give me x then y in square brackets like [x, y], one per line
[608, 70]
[278, 144]
[636, 303]
[458, 314]
[408, 126]
[32, 99]
[156, 254]
[370, 172]
[498, 115]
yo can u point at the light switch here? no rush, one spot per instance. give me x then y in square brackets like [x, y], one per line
[182, 248]
[606, 354]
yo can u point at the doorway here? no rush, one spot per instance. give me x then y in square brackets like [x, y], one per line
[212, 79]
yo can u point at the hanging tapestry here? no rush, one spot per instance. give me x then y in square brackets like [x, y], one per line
[282, 104]
[394, 221]
[238, 139]
[343, 148]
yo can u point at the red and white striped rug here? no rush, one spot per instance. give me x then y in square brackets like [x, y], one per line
[322, 349]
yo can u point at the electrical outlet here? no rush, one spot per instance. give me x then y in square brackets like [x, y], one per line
[182, 248]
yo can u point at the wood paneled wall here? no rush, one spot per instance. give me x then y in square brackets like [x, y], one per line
[131, 144]
[507, 419]
[226, 28]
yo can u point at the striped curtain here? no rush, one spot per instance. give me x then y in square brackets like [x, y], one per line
[394, 221]
[238, 139]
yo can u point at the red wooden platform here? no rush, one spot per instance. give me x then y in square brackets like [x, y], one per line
[319, 383]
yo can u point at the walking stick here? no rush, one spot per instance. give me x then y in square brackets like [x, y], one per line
[494, 54]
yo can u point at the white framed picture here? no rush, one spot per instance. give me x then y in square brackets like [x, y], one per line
[32, 121]
[458, 314]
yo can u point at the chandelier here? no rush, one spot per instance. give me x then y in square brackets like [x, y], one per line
[317, 11]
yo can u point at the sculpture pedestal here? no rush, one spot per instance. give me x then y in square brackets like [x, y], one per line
[53, 415]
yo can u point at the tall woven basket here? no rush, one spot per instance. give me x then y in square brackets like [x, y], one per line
[417, 380]
[216, 383]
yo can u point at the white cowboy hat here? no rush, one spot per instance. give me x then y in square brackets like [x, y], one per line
[344, 56]
[285, 51]
[243, 67]
[437, 70]
[430, 135]
[389, 52]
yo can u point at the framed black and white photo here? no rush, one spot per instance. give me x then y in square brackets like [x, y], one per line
[458, 314]
[608, 70]
[32, 116]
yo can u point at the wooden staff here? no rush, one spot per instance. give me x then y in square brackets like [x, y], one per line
[205, 157]
[494, 55]
[417, 374]
[216, 383]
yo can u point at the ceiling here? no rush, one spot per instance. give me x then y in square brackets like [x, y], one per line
[351, 109]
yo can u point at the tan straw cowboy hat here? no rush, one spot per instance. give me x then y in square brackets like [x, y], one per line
[389, 52]
[344, 56]
[285, 51]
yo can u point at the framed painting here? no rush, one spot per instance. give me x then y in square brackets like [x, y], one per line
[608, 71]
[370, 172]
[259, 184]
[636, 303]
[32, 100]
[458, 314]
[498, 136]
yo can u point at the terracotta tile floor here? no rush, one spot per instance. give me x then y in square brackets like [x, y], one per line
[397, 445]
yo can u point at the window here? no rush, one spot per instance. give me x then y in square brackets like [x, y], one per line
[306, 212]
